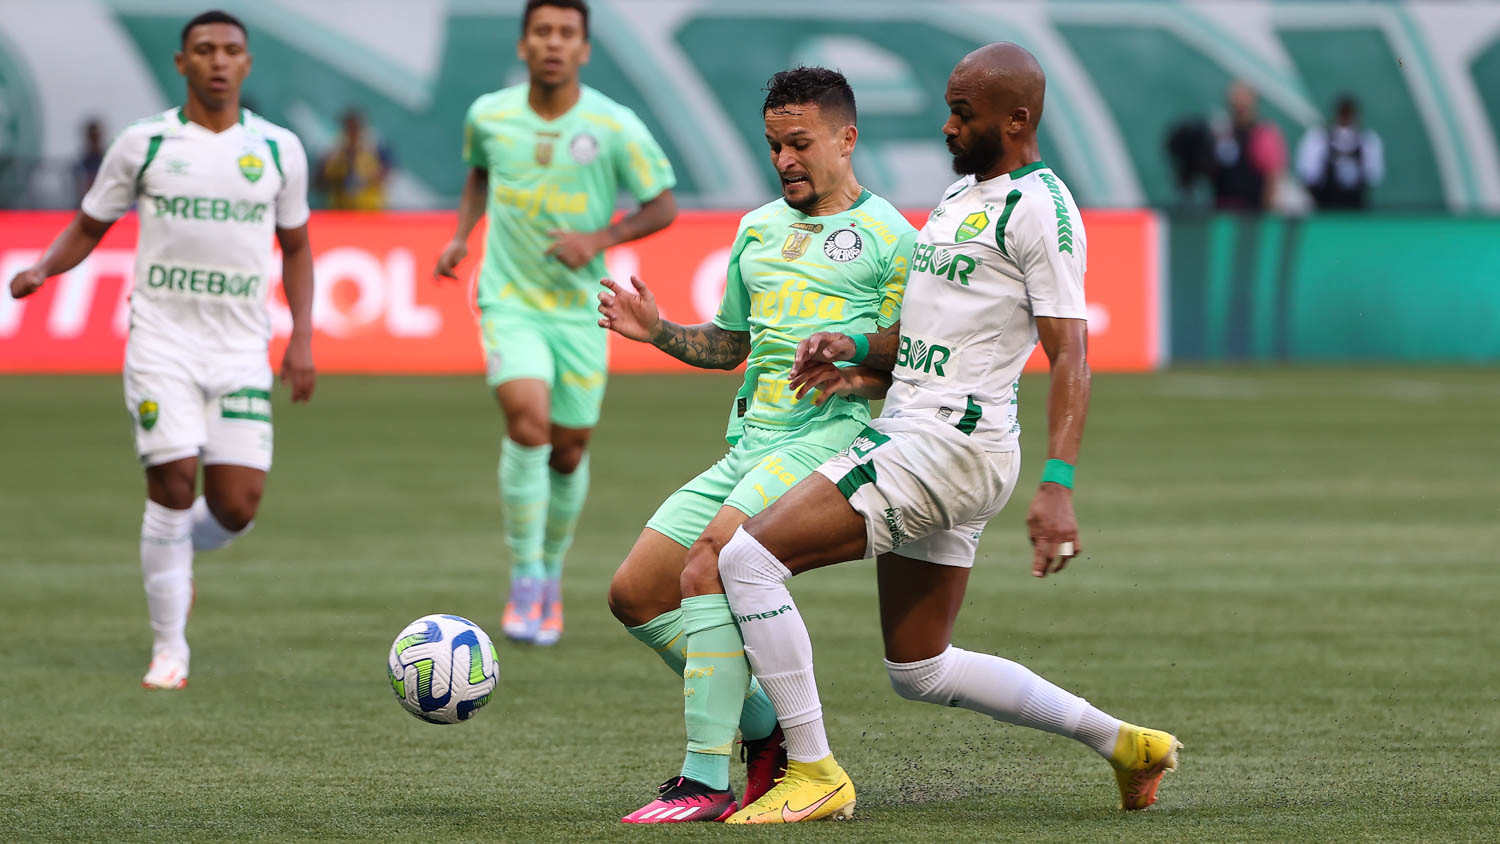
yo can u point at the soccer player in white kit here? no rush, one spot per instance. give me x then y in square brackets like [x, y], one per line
[998, 265]
[212, 182]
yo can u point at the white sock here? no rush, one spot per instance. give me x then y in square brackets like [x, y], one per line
[208, 534]
[1006, 691]
[167, 566]
[776, 642]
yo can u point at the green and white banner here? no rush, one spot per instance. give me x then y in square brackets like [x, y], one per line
[1120, 75]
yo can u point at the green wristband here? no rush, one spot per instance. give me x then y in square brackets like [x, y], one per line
[861, 347]
[1058, 472]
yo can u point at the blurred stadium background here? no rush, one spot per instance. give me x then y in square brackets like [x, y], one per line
[1293, 441]
[1122, 77]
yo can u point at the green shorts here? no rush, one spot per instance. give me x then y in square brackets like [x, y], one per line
[759, 469]
[571, 356]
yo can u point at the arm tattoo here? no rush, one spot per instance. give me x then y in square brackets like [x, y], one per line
[706, 346]
[883, 348]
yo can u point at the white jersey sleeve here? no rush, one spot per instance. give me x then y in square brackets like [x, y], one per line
[117, 181]
[1049, 249]
[291, 201]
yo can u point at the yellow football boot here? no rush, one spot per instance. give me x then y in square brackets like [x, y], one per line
[1141, 758]
[810, 791]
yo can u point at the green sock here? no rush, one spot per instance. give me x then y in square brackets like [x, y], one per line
[758, 718]
[523, 491]
[563, 507]
[663, 634]
[716, 681]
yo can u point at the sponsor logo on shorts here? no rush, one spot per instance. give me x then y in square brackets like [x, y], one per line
[773, 466]
[203, 282]
[248, 403]
[896, 524]
[147, 413]
[756, 616]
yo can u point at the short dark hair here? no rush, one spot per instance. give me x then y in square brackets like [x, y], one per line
[828, 89]
[213, 16]
[579, 6]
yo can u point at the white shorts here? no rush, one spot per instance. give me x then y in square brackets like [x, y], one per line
[216, 410]
[925, 489]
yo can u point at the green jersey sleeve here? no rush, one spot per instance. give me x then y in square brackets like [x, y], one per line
[734, 308]
[473, 152]
[893, 281]
[639, 162]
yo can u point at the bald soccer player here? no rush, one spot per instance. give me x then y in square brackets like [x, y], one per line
[998, 265]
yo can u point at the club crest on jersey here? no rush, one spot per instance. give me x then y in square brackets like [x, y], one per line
[251, 167]
[795, 246]
[544, 144]
[972, 226]
[147, 412]
[584, 148]
[844, 245]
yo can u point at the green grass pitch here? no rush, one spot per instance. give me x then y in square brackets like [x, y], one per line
[1297, 571]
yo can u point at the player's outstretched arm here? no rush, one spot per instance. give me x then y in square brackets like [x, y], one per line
[297, 281]
[1051, 522]
[72, 245]
[470, 212]
[576, 249]
[634, 315]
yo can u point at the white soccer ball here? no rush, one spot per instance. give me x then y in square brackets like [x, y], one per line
[443, 668]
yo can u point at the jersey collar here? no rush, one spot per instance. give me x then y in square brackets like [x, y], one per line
[864, 194]
[1027, 170]
[183, 118]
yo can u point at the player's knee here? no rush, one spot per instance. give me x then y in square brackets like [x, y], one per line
[701, 574]
[566, 457]
[236, 510]
[627, 601]
[744, 561]
[929, 680]
[528, 430]
[171, 488]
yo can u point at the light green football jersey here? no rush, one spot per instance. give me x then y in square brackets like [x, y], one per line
[791, 275]
[549, 175]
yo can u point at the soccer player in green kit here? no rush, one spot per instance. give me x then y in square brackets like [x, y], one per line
[826, 256]
[547, 159]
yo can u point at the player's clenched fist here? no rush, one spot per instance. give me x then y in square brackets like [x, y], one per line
[822, 347]
[26, 282]
[630, 314]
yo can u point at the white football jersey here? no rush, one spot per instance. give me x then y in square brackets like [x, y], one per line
[209, 204]
[993, 256]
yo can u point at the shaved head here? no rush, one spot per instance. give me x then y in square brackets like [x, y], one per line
[1007, 76]
[995, 95]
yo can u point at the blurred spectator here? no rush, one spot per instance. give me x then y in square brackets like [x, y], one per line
[1249, 156]
[1190, 149]
[354, 171]
[87, 165]
[1339, 164]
